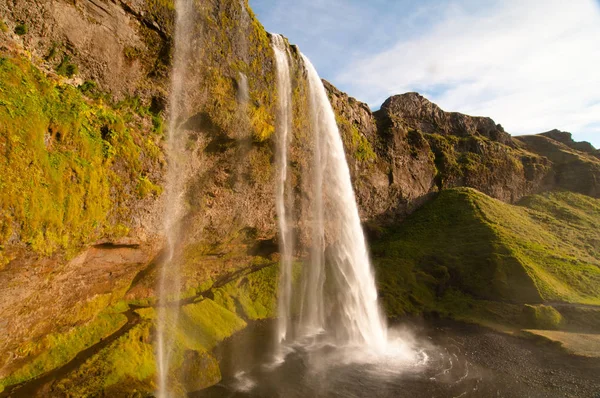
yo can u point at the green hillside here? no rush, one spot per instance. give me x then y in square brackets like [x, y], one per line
[464, 245]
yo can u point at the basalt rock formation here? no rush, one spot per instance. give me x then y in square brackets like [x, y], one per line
[83, 103]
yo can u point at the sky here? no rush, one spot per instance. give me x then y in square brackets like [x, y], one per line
[531, 65]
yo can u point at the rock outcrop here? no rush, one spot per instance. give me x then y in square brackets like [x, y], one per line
[418, 113]
[567, 139]
[572, 169]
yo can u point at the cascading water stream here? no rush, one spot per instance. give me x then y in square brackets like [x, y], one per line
[169, 279]
[284, 126]
[347, 309]
[338, 297]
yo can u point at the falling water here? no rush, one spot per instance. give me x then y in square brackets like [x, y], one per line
[284, 126]
[243, 94]
[170, 274]
[340, 297]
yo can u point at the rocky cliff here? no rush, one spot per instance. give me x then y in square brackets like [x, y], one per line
[84, 96]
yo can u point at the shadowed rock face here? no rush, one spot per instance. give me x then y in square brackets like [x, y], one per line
[572, 169]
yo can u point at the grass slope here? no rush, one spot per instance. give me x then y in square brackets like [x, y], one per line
[465, 245]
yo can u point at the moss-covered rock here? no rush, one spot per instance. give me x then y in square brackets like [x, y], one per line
[541, 317]
[62, 154]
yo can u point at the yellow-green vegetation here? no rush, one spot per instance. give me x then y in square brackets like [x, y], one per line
[66, 68]
[260, 166]
[223, 69]
[583, 344]
[541, 317]
[204, 324]
[146, 187]
[56, 349]
[262, 123]
[60, 155]
[254, 294]
[131, 357]
[354, 141]
[464, 245]
[261, 80]
[128, 363]
[3, 26]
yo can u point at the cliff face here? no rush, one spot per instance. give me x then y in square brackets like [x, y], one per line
[575, 165]
[85, 88]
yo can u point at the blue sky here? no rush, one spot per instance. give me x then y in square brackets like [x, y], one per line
[531, 65]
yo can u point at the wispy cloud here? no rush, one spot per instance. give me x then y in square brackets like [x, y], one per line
[531, 65]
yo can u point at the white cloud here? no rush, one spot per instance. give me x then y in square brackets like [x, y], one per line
[532, 65]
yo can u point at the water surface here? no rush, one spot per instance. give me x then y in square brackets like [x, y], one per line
[450, 359]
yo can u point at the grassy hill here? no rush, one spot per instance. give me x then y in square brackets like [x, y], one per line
[464, 248]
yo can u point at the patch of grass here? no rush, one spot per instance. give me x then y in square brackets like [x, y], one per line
[355, 141]
[67, 68]
[21, 29]
[262, 123]
[261, 170]
[132, 53]
[131, 357]
[195, 331]
[204, 324]
[146, 187]
[3, 26]
[488, 250]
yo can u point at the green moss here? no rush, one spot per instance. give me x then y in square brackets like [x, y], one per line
[204, 324]
[3, 26]
[21, 29]
[355, 141]
[132, 53]
[56, 349]
[495, 314]
[66, 68]
[262, 123]
[130, 362]
[541, 317]
[63, 161]
[131, 357]
[254, 294]
[146, 187]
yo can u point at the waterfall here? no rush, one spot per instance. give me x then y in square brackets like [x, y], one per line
[284, 127]
[338, 297]
[170, 275]
[347, 309]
